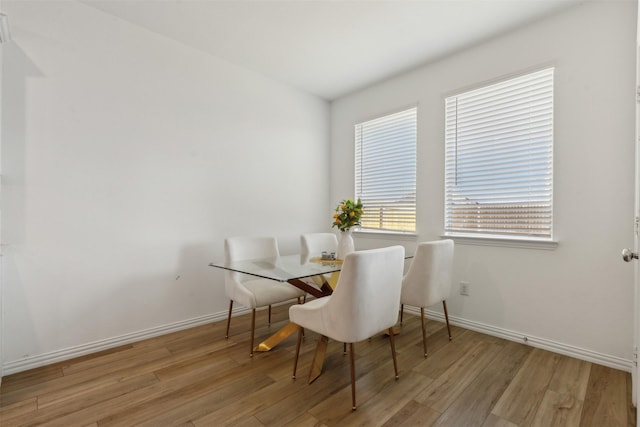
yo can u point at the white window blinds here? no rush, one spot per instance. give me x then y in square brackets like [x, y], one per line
[385, 169]
[499, 158]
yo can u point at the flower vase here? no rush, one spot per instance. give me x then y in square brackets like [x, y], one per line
[346, 245]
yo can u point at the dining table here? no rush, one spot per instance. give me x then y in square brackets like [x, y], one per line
[316, 275]
[299, 271]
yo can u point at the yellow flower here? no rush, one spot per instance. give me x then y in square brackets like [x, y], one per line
[347, 214]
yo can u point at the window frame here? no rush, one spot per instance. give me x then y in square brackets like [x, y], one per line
[488, 238]
[407, 109]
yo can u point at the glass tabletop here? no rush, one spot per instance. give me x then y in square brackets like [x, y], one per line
[282, 268]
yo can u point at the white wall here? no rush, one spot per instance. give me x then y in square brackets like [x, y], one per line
[1, 275]
[578, 297]
[127, 159]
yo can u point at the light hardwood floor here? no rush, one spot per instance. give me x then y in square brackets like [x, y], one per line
[197, 378]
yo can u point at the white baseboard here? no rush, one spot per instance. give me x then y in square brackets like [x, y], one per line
[96, 346]
[545, 344]
[31, 362]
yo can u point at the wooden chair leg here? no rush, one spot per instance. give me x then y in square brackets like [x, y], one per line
[229, 319]
[304, 301]
[424, 331]
[392, 341]
[253, 329]
[353, 377]
[295, 361]
[269, 315]
[344, 348]
[401, 313]
[446, 317]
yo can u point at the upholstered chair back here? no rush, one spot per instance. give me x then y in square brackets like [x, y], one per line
[428, 280]
[367, 295]
[313, 244]
[245, 248]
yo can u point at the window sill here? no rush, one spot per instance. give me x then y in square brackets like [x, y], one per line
[509, 242]
[381, 234]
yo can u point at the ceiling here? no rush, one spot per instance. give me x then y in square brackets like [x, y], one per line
[330, 48]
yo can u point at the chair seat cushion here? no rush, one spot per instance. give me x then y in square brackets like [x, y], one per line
[310, 316]
[264, 292]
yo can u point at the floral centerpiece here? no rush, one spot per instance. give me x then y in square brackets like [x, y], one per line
[348, 214]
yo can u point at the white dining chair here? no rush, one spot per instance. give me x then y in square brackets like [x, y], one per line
[250, 291]
[428, 281]
[312, 245]
[365, 302]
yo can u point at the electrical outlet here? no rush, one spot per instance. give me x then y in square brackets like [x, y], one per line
[464, 288]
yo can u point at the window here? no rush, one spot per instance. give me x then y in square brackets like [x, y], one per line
[386, 171]
[499, 159]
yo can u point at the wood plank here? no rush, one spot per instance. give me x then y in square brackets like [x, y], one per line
[197, 392]
[187, 405]
[445, 353]
[387, 401]
[446, 387]
[195, 377]
[521, 399]
[631, 410]
[571, 377]
[255, 401]
[58, 408]
[136, 400]
[558, 410]
[413, 414]
[474, 404]
[247, 422]
[562, 402]
[24, 408]
[305, 420]
[369, 385]
[374, 370]
[134, 366]
[495, 421]
[127, 356]
[87, 394]
[410, 336]
[606, 399]
[36, 376]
